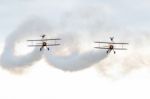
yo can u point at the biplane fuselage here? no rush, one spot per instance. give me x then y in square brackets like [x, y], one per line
[111, 47]
[44, 44]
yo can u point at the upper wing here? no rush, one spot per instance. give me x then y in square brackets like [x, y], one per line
[52, 39]
[119, 43]
[111, 43]
[45, 39]
[104, 42]
[34, 40]
[114, 48]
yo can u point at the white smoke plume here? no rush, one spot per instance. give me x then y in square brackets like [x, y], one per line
[34, 27]
[76, 61]
[29, 28]
[74, 27]
[78, 28]
[78, 23]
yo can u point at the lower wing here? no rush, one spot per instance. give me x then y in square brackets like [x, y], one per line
[42, 45]
[53, 44]
[109, 48]
[101, 48]
[120, 49]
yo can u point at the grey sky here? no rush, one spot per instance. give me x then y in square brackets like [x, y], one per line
[131, 13]
[78, 23]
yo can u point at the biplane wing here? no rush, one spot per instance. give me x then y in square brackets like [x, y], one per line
[120, 49]
[119, 43]
[34, 40]
[111, 43]
[113, 48]
[34, 45]
[53, 39]
[103, 42]
[101, 48]
[42, 45]
[53, 44]
[45, 39]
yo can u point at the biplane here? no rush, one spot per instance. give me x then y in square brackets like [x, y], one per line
[111, 46]
[43, 42]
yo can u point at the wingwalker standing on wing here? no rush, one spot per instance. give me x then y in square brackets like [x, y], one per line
[42, 43]
[110, 46]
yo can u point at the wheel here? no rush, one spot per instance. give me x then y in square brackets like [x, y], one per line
[107, 52]
[40, 49]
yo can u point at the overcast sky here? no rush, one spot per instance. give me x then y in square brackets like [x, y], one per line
[81, 22]
[128, 13]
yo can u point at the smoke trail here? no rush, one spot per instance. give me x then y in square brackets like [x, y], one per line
[76, 61]
[90, 22]
[77, 26]
[34, 26]
[74, 27]
[73, 62]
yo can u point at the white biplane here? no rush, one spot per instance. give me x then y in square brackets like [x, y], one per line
[110, 46]
[43, 43]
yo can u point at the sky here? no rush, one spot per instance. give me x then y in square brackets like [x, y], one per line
[75, 69]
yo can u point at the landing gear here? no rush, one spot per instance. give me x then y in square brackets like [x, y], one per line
[47, 48]
[114, 52]
[107, 52]
[41, 48]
